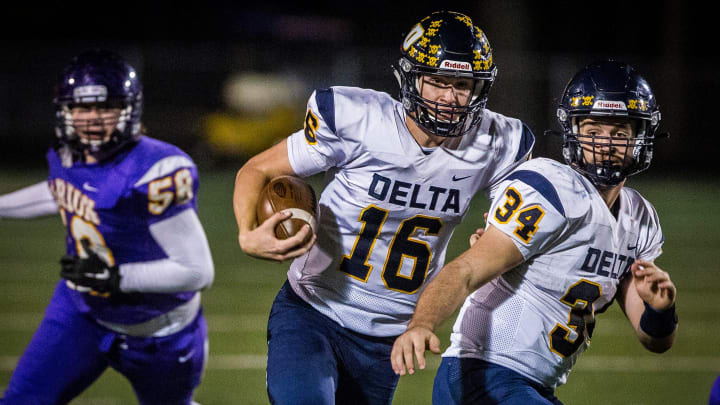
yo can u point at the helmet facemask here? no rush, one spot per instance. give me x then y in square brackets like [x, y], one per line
[98, 107]
[101, 130]
[605, 160]
[448, 120]
[610, 93]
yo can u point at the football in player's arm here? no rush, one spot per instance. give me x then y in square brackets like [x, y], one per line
[399, 177]
[562, 242]
[136, 253]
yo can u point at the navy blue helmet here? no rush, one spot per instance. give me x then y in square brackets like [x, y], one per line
[608, 89]
[445, 43]
[103, 79]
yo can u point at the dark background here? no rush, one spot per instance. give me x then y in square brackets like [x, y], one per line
[185, 53]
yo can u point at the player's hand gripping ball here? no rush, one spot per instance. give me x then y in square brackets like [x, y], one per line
[288, 193]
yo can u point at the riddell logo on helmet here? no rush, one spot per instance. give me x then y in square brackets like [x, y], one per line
[451, 64]
[609, 105]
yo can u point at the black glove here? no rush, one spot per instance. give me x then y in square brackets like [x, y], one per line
[90, 274]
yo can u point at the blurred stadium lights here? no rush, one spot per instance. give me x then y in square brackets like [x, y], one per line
[258, 110]
[254, 93]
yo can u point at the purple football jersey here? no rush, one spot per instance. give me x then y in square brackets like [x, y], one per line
[113, 203]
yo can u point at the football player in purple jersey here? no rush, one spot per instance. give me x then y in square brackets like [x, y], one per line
[136, 253]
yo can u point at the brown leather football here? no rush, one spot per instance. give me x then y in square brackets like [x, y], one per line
[288, 193]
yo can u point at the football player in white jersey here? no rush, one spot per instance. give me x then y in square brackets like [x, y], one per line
[562, 242]
[400, 176]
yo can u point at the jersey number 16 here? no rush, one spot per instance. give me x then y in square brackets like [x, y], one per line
[402, 246]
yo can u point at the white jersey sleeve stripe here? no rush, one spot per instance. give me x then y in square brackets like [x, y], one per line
[541, 185]
[164, 167]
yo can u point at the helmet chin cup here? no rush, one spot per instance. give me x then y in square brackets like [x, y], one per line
[606, 174]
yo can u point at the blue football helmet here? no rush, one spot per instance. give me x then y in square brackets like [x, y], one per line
[608, 89]
[445, 43]
[102, 79]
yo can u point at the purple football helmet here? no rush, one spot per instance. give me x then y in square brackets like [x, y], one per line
[98, 79]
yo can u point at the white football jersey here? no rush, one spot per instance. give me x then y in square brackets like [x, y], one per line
[538, 318]
[389, 208]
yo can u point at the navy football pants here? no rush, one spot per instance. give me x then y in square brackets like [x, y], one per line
[473, 381]
[313, 360]
[69, 351]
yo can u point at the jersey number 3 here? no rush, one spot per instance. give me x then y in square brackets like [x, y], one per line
[580, 298]
[402, 246]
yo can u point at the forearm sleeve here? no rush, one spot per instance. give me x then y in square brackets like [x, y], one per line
[29, 202]
[188, 267]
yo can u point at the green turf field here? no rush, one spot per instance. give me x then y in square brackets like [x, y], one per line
[615, 370]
